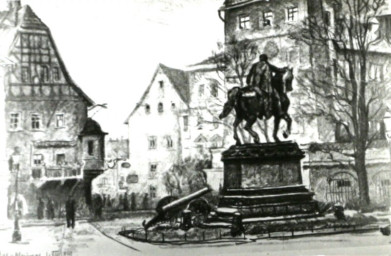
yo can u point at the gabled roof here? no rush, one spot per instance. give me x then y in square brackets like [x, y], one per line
[179, 80]
[25, 19]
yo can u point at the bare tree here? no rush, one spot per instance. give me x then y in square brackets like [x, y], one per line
[338, 87]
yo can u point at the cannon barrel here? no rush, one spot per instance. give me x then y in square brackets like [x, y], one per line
[186, 199]
[175, 207]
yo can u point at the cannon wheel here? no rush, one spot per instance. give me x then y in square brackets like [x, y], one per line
[168, 216]
[200, 210]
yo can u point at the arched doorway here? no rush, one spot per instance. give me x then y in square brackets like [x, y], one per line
[382, 187]
[342, 188]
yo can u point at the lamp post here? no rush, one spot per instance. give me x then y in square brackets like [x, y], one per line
[15, 164]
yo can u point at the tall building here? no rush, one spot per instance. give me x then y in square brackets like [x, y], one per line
[271, 24]
[176, 118]
[50, 142]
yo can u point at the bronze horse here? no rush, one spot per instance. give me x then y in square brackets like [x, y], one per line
[249, 106]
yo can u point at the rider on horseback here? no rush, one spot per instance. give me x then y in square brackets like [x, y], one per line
[260, 79]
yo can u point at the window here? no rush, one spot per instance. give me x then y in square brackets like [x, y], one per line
[60, 159]
[44, 42]
[90, 147]
[152, 142]
[160, 107]
[147, 109]
[25, 40]
[56, 73]
[161, 85]
[292, 14]
[244, 22]
[377, 129]
[327, 18]
[35, 121]
[14, 121]
[44, 75]
[200, 149]
[59, 120]
[25, 73]
[215, 122]
[173, 105]
[152, 191]
[152, 170]
[267, 19]
[169, 142]
[201, 90]
[214, 90]
[185, 123]
[341, 134]
[200, 120]
[376, 72]
[37, 159]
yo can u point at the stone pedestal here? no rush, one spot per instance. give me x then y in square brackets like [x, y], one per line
[264, 180]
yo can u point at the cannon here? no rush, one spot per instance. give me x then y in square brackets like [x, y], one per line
[169, 208]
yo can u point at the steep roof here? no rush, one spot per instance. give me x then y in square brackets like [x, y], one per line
[179, 80]
[25, 19]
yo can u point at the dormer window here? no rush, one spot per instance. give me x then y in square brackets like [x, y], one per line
[161, 85]
[160, 107]
[147, 109]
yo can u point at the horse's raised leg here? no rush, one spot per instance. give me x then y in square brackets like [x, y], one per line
[276, 127]
[248, 127]
[236, 123]
[288, 120]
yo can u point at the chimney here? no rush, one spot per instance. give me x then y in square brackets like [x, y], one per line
[14, 5]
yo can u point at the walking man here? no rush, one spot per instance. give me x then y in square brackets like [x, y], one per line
[70, 209]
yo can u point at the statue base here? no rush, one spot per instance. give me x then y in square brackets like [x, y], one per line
[264, 180]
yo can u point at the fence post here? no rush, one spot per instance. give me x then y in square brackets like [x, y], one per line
[293, 232]
[203, 235]
[146, 235]
[185, 236]
[163, 237]
[268, 232]
[220, 233]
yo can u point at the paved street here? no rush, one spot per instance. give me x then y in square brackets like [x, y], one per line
[85, 240]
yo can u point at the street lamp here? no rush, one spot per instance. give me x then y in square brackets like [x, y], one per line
[14, 167]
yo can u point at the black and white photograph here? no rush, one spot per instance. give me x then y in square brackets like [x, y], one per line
[195, 127]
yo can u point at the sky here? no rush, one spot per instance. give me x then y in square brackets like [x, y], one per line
[111, 48]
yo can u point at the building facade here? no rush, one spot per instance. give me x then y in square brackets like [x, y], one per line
[271, 24]
[49, 145]
[176, 118]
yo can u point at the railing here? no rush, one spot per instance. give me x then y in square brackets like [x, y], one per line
[58, 172]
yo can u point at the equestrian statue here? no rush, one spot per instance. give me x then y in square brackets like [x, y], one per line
[264, 96]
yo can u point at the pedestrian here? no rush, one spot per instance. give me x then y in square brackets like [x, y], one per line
[40, 209]
[70, 209]
[146, 202]
[126, 202]
[98, 205]
[50, 209]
